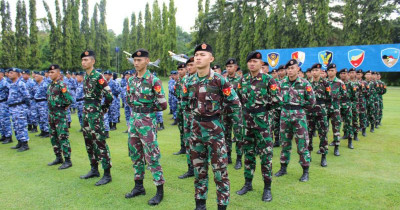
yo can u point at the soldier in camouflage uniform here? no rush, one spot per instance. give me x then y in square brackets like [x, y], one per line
[234, 80]
[354, 102]
[59, 100]
[179, 111]
[95, 87]
[319, 118]
[207, 94]
[79, 97]
[114, 108]
[346, 108]
[281, 73]
[338, 90]
[381, 92]
[298, 98]
[41, 107]
[362, 102]
[5, 123]
[145, 96]
[371, 97]
[259, 93]
[377, 104]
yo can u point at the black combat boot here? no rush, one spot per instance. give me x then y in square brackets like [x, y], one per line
[158, 197]
[282, 171]
[137, 190]
[222, 207]
[29, 127]
[119, 119]
[175, 122]
[161, 127]
[106, 178]
[248, 186]
[34, 129]
[345, 136]
[372, 128]
[267, 196]
[229, 157]
[350, 145]
[304, 177]
[8, 140]
[3, 138]
[310, 145]
[377, 125]
[200, 204]
[180, 152]
[323, 161]
[24, 147]
[94, 172]
[336, 151]
[107, 134]
[19, 145]
[57, 161]
[40, 134]
[356, 136]
[69, 124]
[113, 126]
[189, 173]
[276, 143]
[238, 164]
[45, 135]
[364, 133]
[66, 164]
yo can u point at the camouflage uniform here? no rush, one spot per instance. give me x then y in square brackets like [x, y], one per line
[5, 123]
[338, 90]
[58, 101]
[207, 97]
[362, 103]
[178, 93]
[145, 96]
[371, 97]
[276, 124]
[40, 98]
[355, 108]
[94, 87]
[381, 91]
[346, 110]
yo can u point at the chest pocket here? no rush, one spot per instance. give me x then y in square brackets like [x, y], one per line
[146, 90]
[213, 98]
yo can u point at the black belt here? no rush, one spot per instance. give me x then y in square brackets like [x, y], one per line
[39, 100]
[20, 103]
[207, 118]
[292, 107]
[320, 101]
[4, 100]
[141, 109]
[81, 99]
[345, 100]
[92, 101]
[256, 110]
[53, 109]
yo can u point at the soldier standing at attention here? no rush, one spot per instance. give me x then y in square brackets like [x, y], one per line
[382, 91]
[265, 68]
[79, 97]
[259, 93]
[145, 96]
[5, 123]
[371, 93]
[298, 98]
[59, 100]
[354, 102]
[114, 108]
[345, 108]
[362, 102]
[94, 87]
[40, 98]
[208, 93]
[179, 111]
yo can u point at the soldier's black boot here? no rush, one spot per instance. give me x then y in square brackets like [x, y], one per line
[107, 134]
[7, 140]
[350, 144]
[19, 145]
[276, 143]
[377, 125]
[137, 190]
[113, 126]
[282, 171]
[29, 127]
[66, 164]
[69, 124]
[40, 134]
[310, 146]
[3, 138]
[356, 136]
[238, 164]
[229, 157]
[34, 129]
[161, 127]
[267, 196]
[364, 133]
[175, 122]
[222, 207]
[24, 147]
[158, 197]
[324, 163]
[57, 161]
[248, 186]
[345, 136]
[45, 135]
[106, 178]
[372, 128]
[119, 119]
[180, 152]
[200, 204]
[304, 177]
[189, 173]
[94, 172]
[336, 151]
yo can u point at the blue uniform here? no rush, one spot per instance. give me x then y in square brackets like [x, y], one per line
[79, 101]
[71, 85]
[127, 108]
[172, 100]
[5, 123]
[113, 112]
[40, 98]
[31, 108]
[18, 98]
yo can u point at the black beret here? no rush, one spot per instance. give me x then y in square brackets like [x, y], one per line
[308, 70]
[368, 71]
[108, 72]
[238, 69]
[81, 73]
[274, 71]
[281, 67]
[141, 53]
[230, 61]
[216, 67]
[203, 47]
[265, 63]
[374, 72]
[88, 53]
[352, 69]
[316, 66]
[253, 55]
[181, 65]
[360, 71]
[127, 72]
[331, 66]
[343, 71]
[190, 60]
[291, 62]
[54, 66]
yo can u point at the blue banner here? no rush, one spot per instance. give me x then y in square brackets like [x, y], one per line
[381, 58]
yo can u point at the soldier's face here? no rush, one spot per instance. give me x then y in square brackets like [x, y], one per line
[108, 76]
[231, 69]
[191, 68]
[141, 63]
[54, 74]
[359, 75]
[79, 78]
[301, 74]
[88, 63]
[218, 71]
[378, 76]
[316, 72]
[265, 69]
[274, 74]
[1, 75]
[293, 70]
[368, 76]
[352, 74]
[254, 65]
[343, 76]
[202, 59]
[282, 72]
[332, 73]
[13, 75]
[127, 76]
[182, 72]
[25, 76]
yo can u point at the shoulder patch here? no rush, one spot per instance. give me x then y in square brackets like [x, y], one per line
[227, 91]
[308, 88]
[157, 88]
[101, 81]
[344, 87]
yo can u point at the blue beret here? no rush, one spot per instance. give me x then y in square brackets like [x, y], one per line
[98, 70]
[108, 72]
[14, 70]
[26, 71]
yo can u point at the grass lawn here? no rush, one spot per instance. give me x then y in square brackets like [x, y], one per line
[364, 178]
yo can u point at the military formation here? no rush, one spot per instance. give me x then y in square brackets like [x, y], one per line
[217, 112]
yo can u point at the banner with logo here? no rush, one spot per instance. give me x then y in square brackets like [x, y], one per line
[382, 58]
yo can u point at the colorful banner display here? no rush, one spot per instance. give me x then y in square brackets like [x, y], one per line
[381, 58]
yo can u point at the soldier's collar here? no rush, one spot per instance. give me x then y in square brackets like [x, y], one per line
[146, 74]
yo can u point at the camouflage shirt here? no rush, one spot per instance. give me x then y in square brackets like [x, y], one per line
[322, 95]
[299, 92]
[338, 90]
[58, 96]
[95, 86]
[178, 88]
[234, 81]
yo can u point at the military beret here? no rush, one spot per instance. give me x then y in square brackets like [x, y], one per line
[26, 71]
[174, 72]
[316, 66]
[155, 73]
[98, 70]
[140, 53]
[331, 66]
[343, 71]
[88, 53]
[68, 72]
[216, 67]
[41, 73]
[133, 71]
[14, 70]
[108, 72]
[230, 61]
[181, 65]
[253, 55]
[274, 71]
[54, 66]
[203, 47]
[2, 71]
[224, 72]
[46, 71]
[360, 71]
[308, 70]
[377, 73]
[368, 71]
[265, 63]
[352, 69]
[190, 60]
[80, 73]
[239, 69]
[374, 72]
[291, 62]
[127, 72]
[281, 67]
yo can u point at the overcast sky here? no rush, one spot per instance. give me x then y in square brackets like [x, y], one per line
[118, 10]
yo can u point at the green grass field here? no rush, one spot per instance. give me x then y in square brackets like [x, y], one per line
[367, 177]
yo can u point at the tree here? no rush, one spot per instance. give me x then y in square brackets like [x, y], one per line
[104, 45]
[125, 44]
[261, 17]
[246, 36]
[147, 27]
[140, 32]
[235, 32]
[67, 36]
[303, 28]
[78, 40]
[94, 25]
[34, 57]
[21, 35]
[133, 38]
[7, 36]
[155, 42]
[222, 43]
[85, 28]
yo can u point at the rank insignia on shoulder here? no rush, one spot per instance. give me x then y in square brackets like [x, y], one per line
[273, 87]
[328, 89]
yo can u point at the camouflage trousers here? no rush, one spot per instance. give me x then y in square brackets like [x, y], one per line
[94, 135]
[187, 123]
[380, 110]
[107, 121]
[208, 143]
[32, 118]
[294, 123]
[377, 108]
[347, 116]
[127, 110]
[43, 114]
[59, 133]
[319, 122]
[179, 118]
[371, 110]
[336, 121]
[257, 140]
[355, 113]
[79, 106]
[113, 112]
[19, 122]
[231, 122]
[276, 123]
[363, 112]
[143, 146]
[5, 123]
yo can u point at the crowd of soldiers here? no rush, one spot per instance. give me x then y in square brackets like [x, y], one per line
[262, 109]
